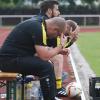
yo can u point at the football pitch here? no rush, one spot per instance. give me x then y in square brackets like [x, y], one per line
[89, 45]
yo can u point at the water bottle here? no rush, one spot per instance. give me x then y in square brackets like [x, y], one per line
[35, 93]
[28, 90]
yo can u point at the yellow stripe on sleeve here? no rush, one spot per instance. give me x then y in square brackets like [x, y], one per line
[58, 41]
[44, 35]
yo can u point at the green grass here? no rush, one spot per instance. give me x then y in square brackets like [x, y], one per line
[89, 45]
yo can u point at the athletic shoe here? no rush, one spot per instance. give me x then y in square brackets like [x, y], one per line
[61, 92]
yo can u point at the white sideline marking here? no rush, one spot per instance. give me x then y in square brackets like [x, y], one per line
[76, 76]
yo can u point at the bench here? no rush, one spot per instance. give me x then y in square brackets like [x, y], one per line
[10, 80]
[8, 76]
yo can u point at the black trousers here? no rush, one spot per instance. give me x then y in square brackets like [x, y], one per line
[32, 66]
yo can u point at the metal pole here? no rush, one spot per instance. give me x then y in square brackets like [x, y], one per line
[0, 21]
[99, 20]
[84, 21]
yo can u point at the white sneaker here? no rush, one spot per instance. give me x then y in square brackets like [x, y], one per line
[56, 98]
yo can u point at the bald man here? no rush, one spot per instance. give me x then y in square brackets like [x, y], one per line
[28, 38]
[72, 30]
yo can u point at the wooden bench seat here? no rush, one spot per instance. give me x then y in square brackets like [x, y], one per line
[8, 81]
[8, 76]
[11, 80]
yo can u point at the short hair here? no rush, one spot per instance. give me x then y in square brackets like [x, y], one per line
[70, 24]
[59, 22]
[45, 5]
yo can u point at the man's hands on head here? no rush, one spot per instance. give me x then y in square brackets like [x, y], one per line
[63, 40]
[74, 34]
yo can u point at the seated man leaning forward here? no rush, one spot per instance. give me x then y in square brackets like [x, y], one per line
[49, 9]
[17, 54]
[72, 30]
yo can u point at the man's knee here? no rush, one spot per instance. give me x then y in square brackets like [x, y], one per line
[57, 59]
